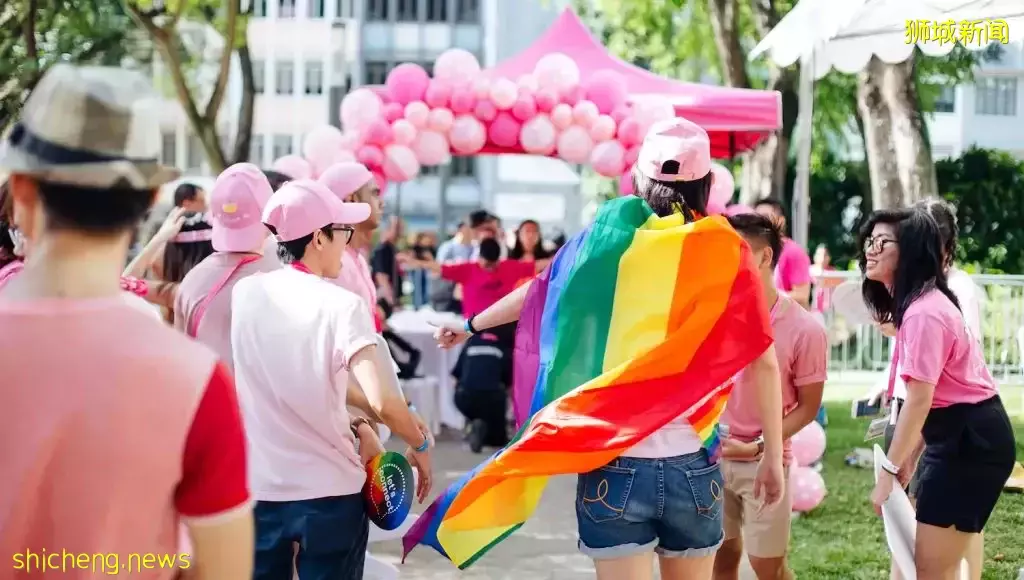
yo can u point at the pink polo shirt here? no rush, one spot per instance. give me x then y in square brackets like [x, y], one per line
[794, 267]
[357, 278]
[10, 270]
[801, 345]
[214, 329]
[936, 348]
[110, 435]
[482, 287]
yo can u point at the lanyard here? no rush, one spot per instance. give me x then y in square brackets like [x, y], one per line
[200, 311]
[301, 267]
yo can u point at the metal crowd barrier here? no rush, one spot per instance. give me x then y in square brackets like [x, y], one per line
[861, 352]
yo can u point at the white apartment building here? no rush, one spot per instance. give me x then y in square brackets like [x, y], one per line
[307, 54]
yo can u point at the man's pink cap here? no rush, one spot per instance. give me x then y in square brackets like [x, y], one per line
[303, 206]
[236, 206]
[675, 150]
[344, 179]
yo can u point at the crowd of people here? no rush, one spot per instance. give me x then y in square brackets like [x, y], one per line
[248, 411]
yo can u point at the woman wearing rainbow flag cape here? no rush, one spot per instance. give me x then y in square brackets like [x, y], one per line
[625, 352]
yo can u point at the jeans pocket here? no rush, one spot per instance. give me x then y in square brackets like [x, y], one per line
[707, 486]
[602, 494]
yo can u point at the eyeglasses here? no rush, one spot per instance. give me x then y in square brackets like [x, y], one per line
[349, 230]
[877, 245]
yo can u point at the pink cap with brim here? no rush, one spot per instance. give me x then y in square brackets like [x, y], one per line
[303, 206]
[236, 207]
[675, 150]
[344, 179]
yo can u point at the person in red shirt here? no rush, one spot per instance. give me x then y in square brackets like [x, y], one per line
[485, 280]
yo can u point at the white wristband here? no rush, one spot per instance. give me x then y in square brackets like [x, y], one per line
[889, 466]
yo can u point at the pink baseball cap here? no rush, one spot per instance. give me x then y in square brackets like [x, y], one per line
[344, 179]
[303, 206]
[236, 207]
[675, 150]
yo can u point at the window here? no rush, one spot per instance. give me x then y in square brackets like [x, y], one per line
[463, 167]
[996, 96]
[314, 77]
[429, 67]
[286, 8]
[285, 77]
[256, 149]
[258, 75]
[169, 149]
[406, 10]
[259, 8]
[375, 72]
[315, 8]
[430, 170]
[467, 11]
[377, 9]
[194, 153]
[946, 101]
[282, 146]
[345, 9]
[437, 10]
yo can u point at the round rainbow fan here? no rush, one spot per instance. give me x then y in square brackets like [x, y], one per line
[389, 490]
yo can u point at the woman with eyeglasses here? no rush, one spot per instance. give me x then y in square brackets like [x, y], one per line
[952, 429]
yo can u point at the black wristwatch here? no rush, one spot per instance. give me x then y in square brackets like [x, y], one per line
[760, 445]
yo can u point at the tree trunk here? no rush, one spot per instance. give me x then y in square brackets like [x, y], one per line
[899, 159]
[243, 132]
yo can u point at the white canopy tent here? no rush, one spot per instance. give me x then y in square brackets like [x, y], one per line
[825, 35]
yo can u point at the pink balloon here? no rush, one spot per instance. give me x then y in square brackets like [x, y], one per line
[404, 132]
[417, 113]
[629, 133]
[370, 156]
[467, 135]
[504, 130]
[584, 114]
[482, 88]
[324, 137]
[360, 108]
[538, 136]
[575, 145]
[293, 166]
[503, 94]
[603, 129]
[572, 95]
[400, 163]
[737, 209]
[809, 444]
[525, 108]
[807, 488]
[382, 182]
[556, 71]
[621, 113]
[485, 110]
[608, 158]
[651, 110]
[440, 120]
[393, 112]
[715, 208]
[632, 154]
[561, 116]
[546, 100]
[378, 133]
[456, 66]
[723, 185]
[438, 94]
[626, 183]
[328, 157]
[606, 89]
[406, 83]
[528, 82]
[463, 100]
[431, 148]
[351, 141]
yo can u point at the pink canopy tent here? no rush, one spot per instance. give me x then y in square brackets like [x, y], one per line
[735, 119]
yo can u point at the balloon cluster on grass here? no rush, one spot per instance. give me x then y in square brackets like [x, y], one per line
[806, 485]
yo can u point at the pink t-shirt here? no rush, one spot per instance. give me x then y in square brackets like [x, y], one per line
[794, 267]
[112, 437]
[10, 270]
[936, 348]
[482, 287]
[215, 327]
[801, 345]
[356, 277]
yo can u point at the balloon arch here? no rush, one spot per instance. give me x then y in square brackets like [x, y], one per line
[414, 121]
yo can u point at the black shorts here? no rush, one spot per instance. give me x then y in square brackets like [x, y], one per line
[969, 453]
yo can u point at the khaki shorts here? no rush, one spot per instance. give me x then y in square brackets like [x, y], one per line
[765, 535]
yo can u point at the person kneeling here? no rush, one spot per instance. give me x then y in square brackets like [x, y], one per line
[481, 395]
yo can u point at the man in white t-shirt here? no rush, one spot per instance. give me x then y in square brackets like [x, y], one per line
[295, 337]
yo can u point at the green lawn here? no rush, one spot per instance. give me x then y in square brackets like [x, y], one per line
[843, 539]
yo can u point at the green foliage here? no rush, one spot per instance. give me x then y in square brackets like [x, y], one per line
[840, 195]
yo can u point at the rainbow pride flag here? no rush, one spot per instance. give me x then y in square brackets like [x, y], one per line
[638, 320]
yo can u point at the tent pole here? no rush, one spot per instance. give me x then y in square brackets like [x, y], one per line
[801, 187]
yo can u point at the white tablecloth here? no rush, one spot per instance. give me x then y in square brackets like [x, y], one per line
[437, 363]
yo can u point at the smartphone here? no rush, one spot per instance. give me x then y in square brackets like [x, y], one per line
[864, 408]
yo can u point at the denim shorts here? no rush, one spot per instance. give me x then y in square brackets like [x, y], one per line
[672, 506]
